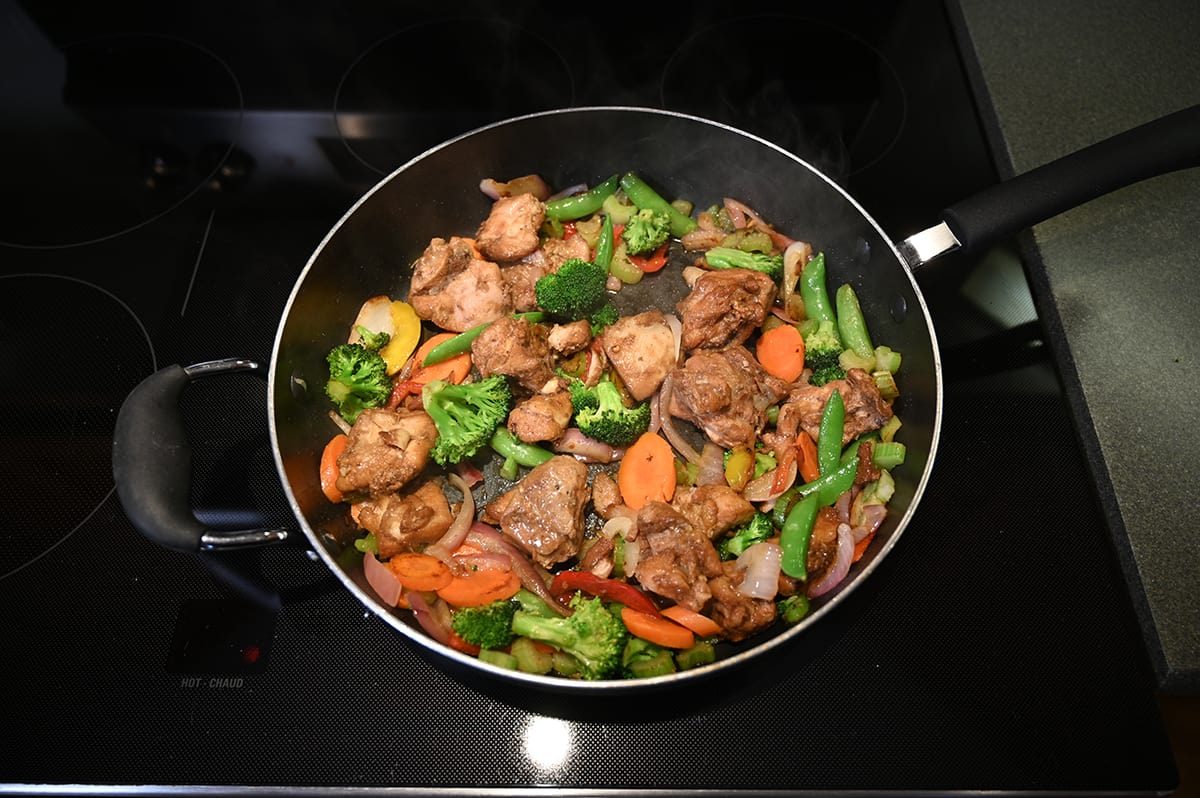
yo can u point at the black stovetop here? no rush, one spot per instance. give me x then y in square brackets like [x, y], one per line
[168, 175]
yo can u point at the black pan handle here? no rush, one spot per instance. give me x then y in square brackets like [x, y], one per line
[1164, 145]
[152, 462]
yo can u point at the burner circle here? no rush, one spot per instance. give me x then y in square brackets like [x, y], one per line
[138, 124]
[831, 98]
[388, 110]
[62, 429]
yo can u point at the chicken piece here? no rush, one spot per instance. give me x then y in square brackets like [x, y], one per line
[567, 339]
[739, 616]
[520, 280]
[676, 561]
[543, 514]
[385, 450]
[725, 307]
[713, 509]
[541, 417]
[456, 289]
[726, 394]
[558, 251]
[606, 497]
[516, 348]
[822, 545]
[642, 350]
[403, 521]
[511, 230]
[866, 409]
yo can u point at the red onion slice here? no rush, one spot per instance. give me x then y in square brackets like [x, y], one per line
[569, 191]
[712, 465]
[457, 533]
[762, 564]
[437, 626]
[589, 450]
[771, 484]
[382, 580]
[490, 540]
[685, 449]
[841, 566]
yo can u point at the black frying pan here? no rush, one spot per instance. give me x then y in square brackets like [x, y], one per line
[371, 249]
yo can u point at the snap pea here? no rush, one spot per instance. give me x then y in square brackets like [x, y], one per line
[827, 488]
[813, 292]
[795, 536]
[580, 205]
[526, 454]
[462, 342]
[829, 435]
[642, 195]
[851, 324]
[604, 246]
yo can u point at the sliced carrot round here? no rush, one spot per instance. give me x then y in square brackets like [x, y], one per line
[659, 631]
[329, 467]
[780, 351]
[647, 472]
[476, 588]
[418, 571]
[700, 624]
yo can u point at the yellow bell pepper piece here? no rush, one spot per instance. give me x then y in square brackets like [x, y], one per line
[406, 334]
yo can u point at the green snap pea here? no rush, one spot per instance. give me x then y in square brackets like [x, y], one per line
[827, 488]
[526, 454]
[462, 342]
[604, 246]
[795, 536]
[813, 291]
[642, 195]
[829, 435]
[851, 324]
[581, 205]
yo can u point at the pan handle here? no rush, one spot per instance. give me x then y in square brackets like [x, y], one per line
[1163, 145]
[152, 462]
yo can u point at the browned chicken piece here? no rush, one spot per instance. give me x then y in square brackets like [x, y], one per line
[567, 339]
[520, 279]
[558, 251]
[385, 450]
[511, 230]
[675, 561]
[713, 509]
[822, 546]
[516, 348]
[726, 394]
[738, 615]
[725, 307]
[543, 514]
[456, 289]
[598, 559]
[541, 417]
[605, 495]
[642, 350]
[403, 521]
[866, 409]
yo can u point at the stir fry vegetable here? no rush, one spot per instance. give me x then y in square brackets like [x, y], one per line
[665, 481]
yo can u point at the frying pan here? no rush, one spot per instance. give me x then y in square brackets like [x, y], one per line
[371, 249]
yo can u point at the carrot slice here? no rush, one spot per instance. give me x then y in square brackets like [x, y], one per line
[700, 624]
[454, 369]
[659, 631]
[807, 460]
[860, 547]
[420, 571]
[780, 351]
[647, 472]
[476, 588]
[329, 467]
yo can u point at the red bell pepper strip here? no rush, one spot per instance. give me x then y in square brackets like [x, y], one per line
[567, 582]
[652, 262]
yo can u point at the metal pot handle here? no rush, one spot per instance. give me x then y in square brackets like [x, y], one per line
[152, 462]
[1163, 145]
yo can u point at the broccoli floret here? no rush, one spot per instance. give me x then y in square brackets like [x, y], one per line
[373, 341]
[575, 291]
[646, 231]
[465, 415]
[609, 420]
[358, 379]
[822, 350]
[606, 315]
[488, 625]
[582, 397]
[729, 258]
[793, 608]
[756, 530]
[591, 634]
